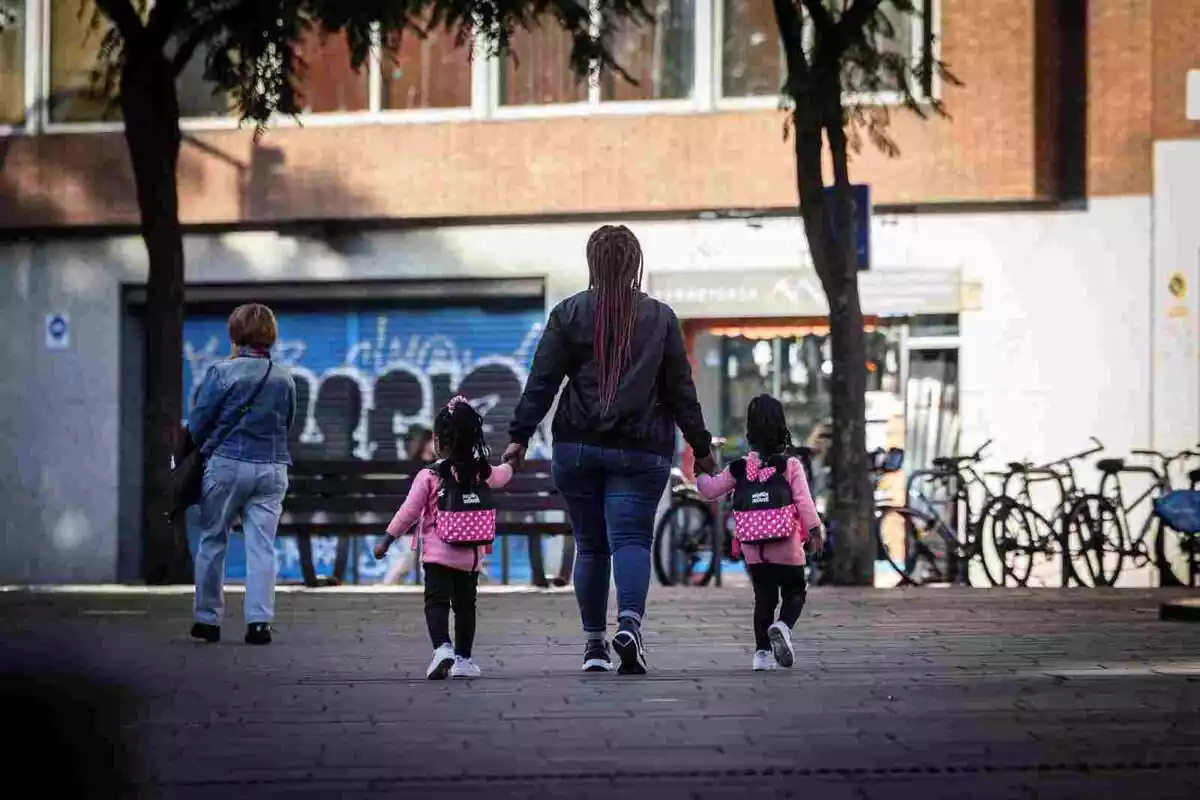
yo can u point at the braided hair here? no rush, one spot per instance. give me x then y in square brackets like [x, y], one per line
[766, 427]
[458, 433]
[615, 265]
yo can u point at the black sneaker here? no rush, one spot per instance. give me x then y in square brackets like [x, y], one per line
[206, 633]
[258, 633]
[597, 658]
[628, 644]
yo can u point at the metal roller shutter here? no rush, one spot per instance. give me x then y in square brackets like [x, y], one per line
[365, 375]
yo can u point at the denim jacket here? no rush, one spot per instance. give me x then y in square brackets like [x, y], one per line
[262, 436]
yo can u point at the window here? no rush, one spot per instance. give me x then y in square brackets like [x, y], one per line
[426, 72]
[538, 69]
[752, 60]
[74, 46]
[751, 56]
[12, 62]
[196, 96]
[325, 82]
[658, 55]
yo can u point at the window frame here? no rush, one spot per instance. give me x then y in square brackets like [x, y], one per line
[922, 23]
[706, 95]
[29, 75]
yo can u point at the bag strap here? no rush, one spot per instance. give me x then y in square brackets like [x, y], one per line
[245, 408]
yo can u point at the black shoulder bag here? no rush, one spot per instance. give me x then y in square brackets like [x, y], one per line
[187, 478]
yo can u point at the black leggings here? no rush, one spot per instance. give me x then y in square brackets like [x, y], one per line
[771, 583]
[446, 588]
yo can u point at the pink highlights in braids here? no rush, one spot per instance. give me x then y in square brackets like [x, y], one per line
[615, 265]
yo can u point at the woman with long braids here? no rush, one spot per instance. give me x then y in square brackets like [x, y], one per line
[629, 384]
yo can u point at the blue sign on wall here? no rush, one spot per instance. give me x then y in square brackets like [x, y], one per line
[364, 377]
[860, 198]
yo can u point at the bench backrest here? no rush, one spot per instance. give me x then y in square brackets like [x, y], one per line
[354, 494]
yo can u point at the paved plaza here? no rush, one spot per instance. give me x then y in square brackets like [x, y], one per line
[922, 693]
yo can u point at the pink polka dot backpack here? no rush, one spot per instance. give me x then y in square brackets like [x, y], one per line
[465, 515]
[762, 499]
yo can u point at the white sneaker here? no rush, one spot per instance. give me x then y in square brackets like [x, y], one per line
[781, 644]
[443, 660]
[465, 668]
[763, 660]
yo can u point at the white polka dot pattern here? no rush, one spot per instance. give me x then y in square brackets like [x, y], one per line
[467, 527]
[764, 525]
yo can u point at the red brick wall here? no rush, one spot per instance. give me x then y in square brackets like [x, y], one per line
[992, 149]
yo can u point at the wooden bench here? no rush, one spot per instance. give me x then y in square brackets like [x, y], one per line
[353, 498]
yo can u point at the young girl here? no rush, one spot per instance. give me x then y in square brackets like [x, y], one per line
[774, 516]
[454, 491]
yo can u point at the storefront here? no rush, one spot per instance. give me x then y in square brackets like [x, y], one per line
[759, 331]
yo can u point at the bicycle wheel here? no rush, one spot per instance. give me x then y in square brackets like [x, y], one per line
[1177, 555]
[911, 543]
[683, 542]
[1095, 541]
[1007, 541]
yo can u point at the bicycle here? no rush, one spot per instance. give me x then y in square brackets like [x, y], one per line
[1039, 536]
[1099, 521]
[1188, 544]
[933, 550]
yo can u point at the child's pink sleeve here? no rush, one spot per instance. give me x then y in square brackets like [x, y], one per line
[802, 496]
[500, 476]
[713, 486]
[414, 505]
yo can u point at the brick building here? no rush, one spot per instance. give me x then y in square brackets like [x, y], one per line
[416, 223]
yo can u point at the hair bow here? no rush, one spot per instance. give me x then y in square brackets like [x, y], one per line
[756, 472]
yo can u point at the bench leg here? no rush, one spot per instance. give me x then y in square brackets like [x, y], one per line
[568, 561]
[537, 564]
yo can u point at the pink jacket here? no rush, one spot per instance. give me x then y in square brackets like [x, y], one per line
[421, 507]
[784, 551]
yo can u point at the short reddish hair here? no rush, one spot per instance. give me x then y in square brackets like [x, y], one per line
[253, 325]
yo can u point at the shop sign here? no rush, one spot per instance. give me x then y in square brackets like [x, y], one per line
[797, 292]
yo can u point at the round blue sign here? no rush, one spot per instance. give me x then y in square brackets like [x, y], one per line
[58, 327]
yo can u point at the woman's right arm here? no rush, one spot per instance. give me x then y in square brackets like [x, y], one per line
[207, 407]
[678, 391]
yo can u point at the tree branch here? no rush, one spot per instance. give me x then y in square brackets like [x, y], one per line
[188, 47]
[163, 18]
[123, 15]
[791, 31]
[856, 16]
[820, 14]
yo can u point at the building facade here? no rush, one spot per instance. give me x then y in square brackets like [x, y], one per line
[1034, 257]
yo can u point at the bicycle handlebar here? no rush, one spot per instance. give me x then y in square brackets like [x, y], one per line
[1166, 458]
[979, 453]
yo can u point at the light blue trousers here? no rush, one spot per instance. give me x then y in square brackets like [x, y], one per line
[255, 492]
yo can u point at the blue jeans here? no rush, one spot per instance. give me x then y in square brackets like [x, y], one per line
[611, 496]
[254, 491]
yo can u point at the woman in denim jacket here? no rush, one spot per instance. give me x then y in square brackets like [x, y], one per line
[245, 472]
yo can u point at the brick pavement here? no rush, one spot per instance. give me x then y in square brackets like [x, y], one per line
[935, 693]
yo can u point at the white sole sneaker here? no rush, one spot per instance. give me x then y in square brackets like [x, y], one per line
[440, 666]
[465, 668]
[763, 661]
[781, 644]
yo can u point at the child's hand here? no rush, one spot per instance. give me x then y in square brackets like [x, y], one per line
[816, 542]
[381, 547]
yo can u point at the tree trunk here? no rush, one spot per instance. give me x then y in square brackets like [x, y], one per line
[850, 514]
[151, 113]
